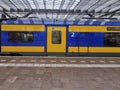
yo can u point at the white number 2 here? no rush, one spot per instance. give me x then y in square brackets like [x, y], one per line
[73, 34]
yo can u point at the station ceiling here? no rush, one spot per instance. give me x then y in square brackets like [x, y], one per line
[61, 9]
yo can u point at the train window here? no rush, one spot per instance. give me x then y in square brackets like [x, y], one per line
[56, 37]
[20, 37]
[112, 39]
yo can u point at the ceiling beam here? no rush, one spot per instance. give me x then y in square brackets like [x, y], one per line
[110, 2]
[77, 5]
[89, 5]
[99, 18]
[100, 3]
[71, 2]
[114, 9]
[27, 15]
[62, 3]
[58, 11]
[111, 13]
[27, 4]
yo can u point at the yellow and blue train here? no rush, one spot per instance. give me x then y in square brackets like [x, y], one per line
[74, 39]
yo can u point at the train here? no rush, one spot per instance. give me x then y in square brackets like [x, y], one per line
[64, 39]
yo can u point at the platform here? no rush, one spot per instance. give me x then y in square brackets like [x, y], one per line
[59, 73]
[14, 78]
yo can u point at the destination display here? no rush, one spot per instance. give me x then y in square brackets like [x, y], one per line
[113, 28]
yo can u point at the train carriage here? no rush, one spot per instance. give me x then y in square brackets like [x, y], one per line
[61, 39]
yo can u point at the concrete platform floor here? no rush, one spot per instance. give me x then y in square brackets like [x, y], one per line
[32, 73]
[19, 78]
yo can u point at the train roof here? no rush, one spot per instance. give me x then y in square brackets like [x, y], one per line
[85, 23]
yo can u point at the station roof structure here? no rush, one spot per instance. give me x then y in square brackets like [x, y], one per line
[74, 10]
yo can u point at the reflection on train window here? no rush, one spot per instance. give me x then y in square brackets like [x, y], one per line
[20, 37]
[112, 39]
[56, 37]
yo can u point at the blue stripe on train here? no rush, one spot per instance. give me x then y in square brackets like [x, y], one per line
[88, 23]
[39, 40]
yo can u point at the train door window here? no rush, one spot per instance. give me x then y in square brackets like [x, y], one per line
[56, 37]
[20, 37]
[112, 39]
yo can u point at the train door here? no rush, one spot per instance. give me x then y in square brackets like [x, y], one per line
[83, 43]
[56, 39]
